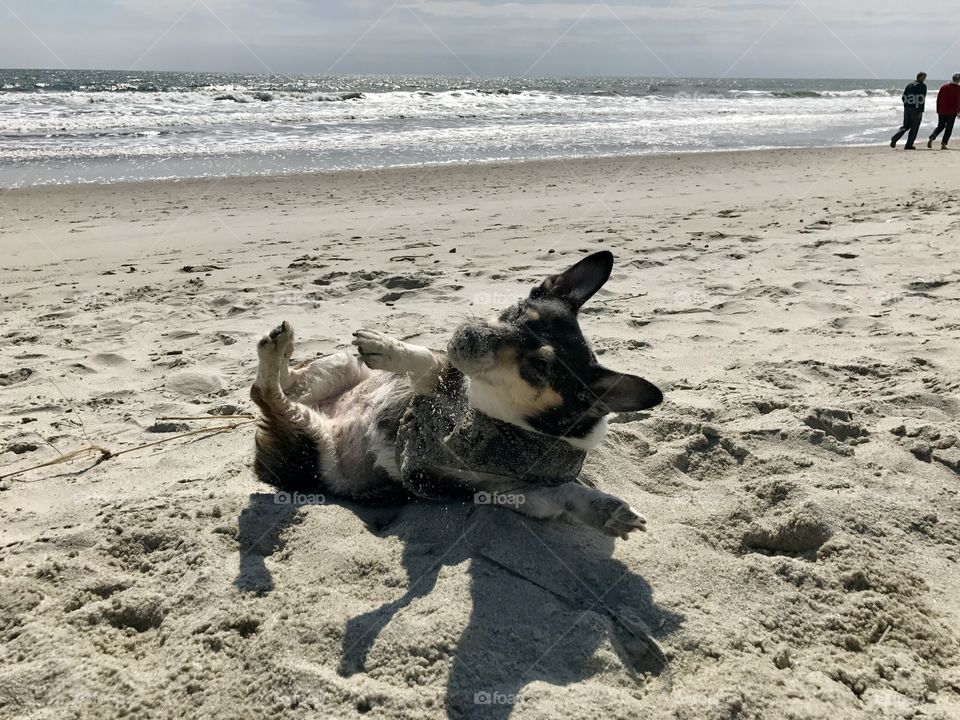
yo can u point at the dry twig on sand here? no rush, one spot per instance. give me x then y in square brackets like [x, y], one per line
[206, 417]
[106, 454]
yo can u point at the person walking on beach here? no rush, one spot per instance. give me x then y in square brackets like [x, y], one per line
[948, 107]
[914, 97]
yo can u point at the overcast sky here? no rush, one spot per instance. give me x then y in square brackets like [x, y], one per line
[709, 38]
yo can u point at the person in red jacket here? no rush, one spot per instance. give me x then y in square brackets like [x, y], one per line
[948, 107]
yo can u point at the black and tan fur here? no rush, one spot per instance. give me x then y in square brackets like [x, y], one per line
[331, 426]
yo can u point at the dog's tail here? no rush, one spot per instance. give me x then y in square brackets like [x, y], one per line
[288, 450]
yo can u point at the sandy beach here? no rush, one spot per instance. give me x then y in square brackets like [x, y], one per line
[801, 481]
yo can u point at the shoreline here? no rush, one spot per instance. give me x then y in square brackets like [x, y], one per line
[464, 167]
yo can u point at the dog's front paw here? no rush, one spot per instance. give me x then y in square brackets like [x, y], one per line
[379, 352]
[623, 520]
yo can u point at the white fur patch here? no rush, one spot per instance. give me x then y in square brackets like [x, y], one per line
[488, 399]
[591, 439]
[385, 453]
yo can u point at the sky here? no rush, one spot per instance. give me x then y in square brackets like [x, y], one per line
[662, 38]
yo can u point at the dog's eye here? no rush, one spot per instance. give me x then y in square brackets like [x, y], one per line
[538, 364]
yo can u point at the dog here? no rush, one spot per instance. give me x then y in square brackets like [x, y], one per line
[381, 426]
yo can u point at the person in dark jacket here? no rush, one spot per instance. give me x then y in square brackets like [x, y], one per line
[948, 107]
[914, 97]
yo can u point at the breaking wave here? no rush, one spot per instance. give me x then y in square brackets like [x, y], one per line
[53, 117]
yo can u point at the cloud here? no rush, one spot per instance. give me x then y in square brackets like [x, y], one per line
[647, 37]
[553, 11]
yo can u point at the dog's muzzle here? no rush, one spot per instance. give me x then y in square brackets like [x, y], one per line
[473, 347]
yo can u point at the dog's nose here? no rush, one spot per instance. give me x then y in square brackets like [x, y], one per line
[467, 341]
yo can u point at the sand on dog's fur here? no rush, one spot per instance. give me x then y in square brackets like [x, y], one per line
[801, 485]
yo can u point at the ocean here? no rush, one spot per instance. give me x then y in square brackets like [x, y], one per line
[82, 126]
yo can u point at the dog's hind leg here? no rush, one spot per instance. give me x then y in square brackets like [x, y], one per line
[294, 446]
[313, 382]
[588, 506]
[281, 338]
[585, 505]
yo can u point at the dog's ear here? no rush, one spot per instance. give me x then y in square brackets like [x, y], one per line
[618, 392]
[578, 284]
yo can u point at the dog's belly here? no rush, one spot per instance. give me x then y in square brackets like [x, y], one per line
[363, 423]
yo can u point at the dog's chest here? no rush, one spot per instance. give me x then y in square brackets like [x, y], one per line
[446, 448]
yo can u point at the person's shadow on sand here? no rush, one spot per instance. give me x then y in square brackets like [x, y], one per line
[545, 596]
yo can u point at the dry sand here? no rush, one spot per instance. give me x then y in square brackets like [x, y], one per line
[801, 480]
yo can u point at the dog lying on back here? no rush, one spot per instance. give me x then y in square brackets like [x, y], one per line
[509, 410]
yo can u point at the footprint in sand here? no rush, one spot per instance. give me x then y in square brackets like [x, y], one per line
[15, 376]
[19, 448]
[927, 284]
[406, 282]
[112, 360]
[795, 530]
[192, 384]
[931, 442]
[18, 339]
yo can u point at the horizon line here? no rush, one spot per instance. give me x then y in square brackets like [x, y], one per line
[452, 75]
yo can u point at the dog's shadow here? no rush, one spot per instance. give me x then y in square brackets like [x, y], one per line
[546, 596]
[259, 534]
